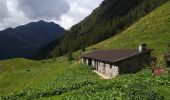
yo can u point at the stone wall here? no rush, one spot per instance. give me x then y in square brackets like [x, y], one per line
[111, 70]
[134, 64]
[129, 65]
[104, 68]
[93, 63]
[84, 60]
[101, 67]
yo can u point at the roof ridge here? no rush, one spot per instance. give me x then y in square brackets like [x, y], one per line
[113, 56]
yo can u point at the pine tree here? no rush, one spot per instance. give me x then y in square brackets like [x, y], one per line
[70, 56]
[83, 48]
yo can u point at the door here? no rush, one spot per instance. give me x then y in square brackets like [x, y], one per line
[89, 62]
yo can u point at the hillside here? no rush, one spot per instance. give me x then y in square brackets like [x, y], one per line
[62, 79]
[109, 19]
[153, 29]
[24, 41]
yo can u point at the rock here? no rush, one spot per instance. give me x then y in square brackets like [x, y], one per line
[28, 70]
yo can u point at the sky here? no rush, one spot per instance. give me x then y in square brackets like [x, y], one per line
[63, 12]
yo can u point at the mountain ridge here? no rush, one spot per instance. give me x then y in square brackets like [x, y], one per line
[57, 79]
[104, 22]
[25, 40]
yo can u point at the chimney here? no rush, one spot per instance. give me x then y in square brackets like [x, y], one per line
[142, 47]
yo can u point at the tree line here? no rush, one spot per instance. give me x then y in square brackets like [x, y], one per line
[109, 19]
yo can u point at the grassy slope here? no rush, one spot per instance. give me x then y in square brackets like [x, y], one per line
[153, 29]
[14, 77]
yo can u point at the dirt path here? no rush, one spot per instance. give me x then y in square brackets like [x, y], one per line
[102, 75]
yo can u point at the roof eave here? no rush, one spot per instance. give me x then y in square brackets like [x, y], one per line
[112, 62]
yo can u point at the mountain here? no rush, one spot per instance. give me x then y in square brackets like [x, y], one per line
[25, 41]
[153, 29]
[62, 79]
[109, 19]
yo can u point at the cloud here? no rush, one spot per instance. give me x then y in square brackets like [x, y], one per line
[3, 10]
[63, 12]
[11, 16]
[44, 9]
[79, 9]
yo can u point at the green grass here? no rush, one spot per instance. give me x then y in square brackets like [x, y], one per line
[80, 82]
[14, 77]
[75, 78]
[142, 85]
[153, 29]
[63, 79]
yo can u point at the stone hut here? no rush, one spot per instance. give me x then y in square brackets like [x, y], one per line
[114, 62]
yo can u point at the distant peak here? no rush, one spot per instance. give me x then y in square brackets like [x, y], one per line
[42, 21]
[8, 29]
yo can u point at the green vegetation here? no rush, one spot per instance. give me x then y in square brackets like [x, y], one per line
[153, 29]
[111, 18]
[66, 82]
[81, 83]
[18, 74]
[141, 86]
[63, 79]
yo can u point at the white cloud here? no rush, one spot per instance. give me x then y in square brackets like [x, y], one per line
[3, 10]
[64, 12]
[14, 16]
[79, 10]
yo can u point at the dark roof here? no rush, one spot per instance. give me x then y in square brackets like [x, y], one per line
[112, 56]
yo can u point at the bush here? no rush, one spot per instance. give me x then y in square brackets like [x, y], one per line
[141, 91]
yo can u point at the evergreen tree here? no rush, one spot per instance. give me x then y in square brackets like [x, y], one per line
[111, 18]
[83, 48]
[70, 56]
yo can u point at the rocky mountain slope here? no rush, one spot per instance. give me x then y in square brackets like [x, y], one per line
[24, 41]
